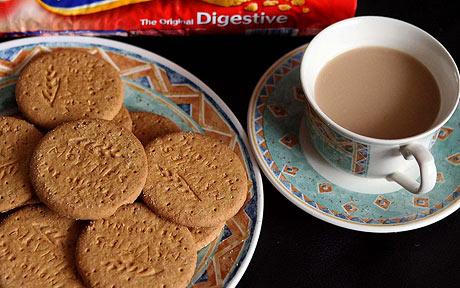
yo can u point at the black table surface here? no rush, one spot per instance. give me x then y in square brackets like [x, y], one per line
[294, 248]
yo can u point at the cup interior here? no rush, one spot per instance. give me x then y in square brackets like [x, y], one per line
[383, 32]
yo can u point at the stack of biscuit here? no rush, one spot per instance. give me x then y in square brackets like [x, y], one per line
[92, 195]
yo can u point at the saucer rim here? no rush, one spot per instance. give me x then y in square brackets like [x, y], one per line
[371, 228]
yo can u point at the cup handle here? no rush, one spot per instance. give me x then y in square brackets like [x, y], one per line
[427, 170]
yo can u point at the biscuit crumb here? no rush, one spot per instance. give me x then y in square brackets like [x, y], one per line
[226, 3]
[305, 10]
[252, 7]
[284, 7]
[270, 3]
[298, 2]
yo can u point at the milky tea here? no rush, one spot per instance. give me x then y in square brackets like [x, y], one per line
[378, 92]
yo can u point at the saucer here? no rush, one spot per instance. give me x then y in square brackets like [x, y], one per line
[154, 84]
[274, 117]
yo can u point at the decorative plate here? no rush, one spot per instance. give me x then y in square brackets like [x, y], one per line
[155, 84]
[274, 116]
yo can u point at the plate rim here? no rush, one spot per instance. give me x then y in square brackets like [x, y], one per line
[243, 265]
[372, 228]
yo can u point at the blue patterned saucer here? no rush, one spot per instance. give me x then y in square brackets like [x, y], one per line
[274, 118]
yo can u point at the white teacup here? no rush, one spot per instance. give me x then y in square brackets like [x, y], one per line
[369, 157]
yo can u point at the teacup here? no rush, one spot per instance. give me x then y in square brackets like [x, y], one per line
[367, 157]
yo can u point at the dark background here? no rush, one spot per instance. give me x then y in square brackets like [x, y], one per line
[296, 249]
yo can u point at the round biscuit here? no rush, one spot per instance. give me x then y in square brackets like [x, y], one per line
[148, 126]
[68, 84]
[37, 249]
[194, 180]
[123, 119]
[136, 248]
[204, 236]
[87, 169]
[17, 143]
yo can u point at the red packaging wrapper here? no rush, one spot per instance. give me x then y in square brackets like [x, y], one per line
[170, 17]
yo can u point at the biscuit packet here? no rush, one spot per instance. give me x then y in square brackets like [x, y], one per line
[170, 17]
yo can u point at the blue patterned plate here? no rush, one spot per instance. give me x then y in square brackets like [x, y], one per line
[275, 111]
[155, 84]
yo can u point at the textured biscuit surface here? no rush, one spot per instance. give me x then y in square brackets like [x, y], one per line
[148, 126]
[204, 236]
[123, 119]
[194, 180]
[17, 142]
[88, 168]
[37, 249]
[136, 248]
[66, 85]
